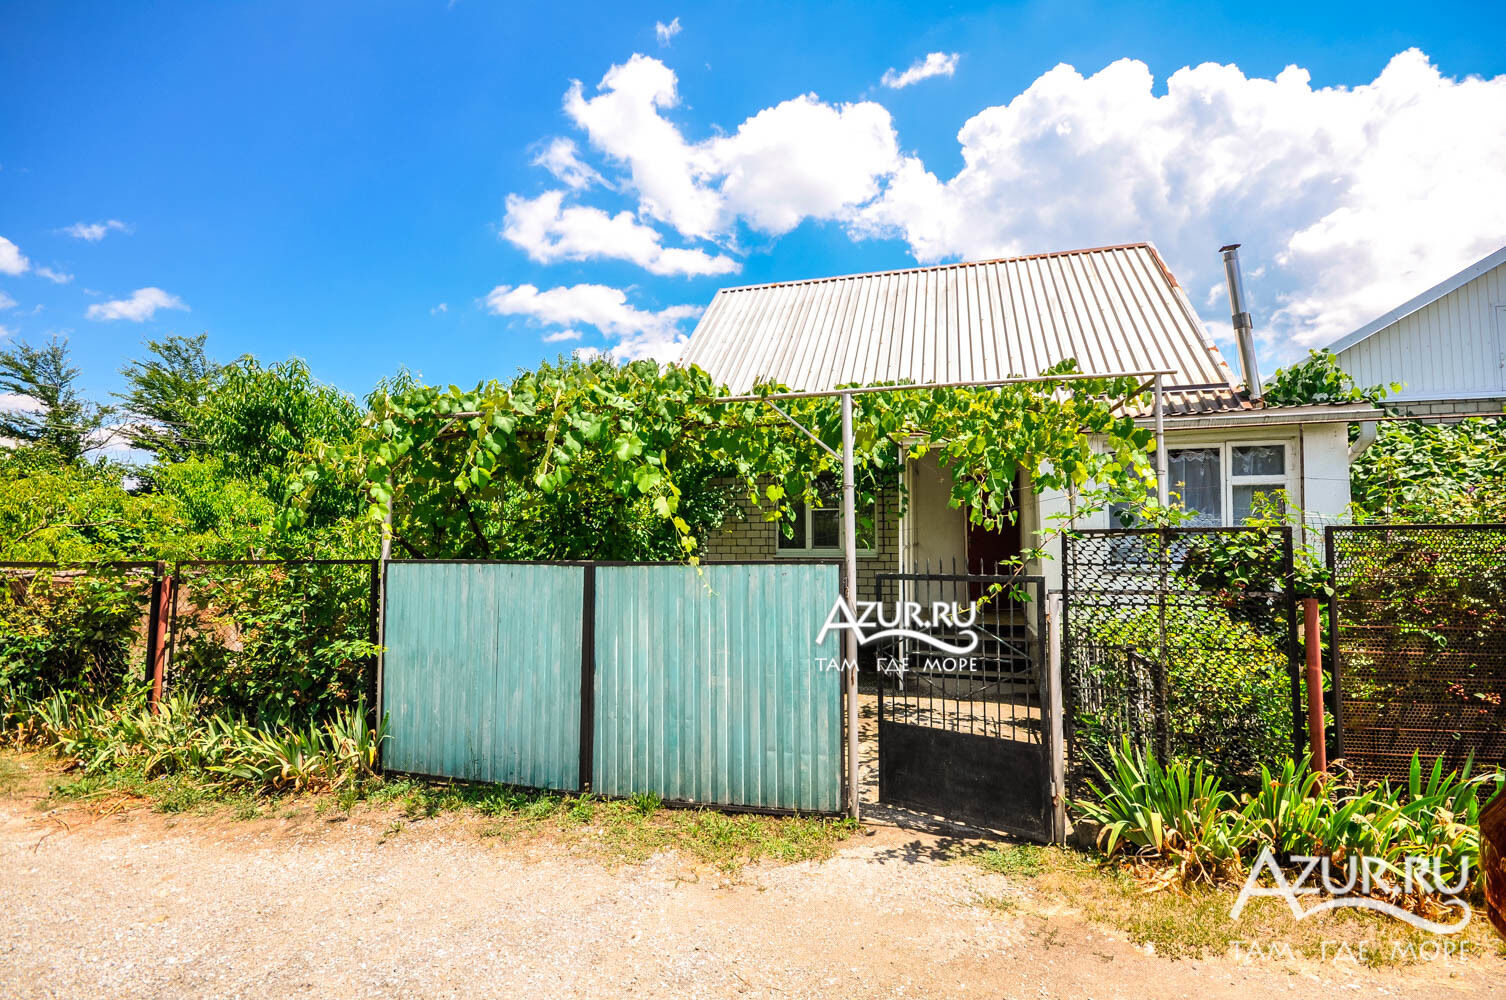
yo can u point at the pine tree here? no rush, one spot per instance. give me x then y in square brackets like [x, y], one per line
[164, 394]
[50, 411]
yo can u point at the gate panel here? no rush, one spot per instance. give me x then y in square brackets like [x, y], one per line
[964, 735]
[707, 688]
[482, 674]
[1418, 645]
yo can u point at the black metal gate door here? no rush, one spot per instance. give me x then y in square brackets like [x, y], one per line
[962, 700]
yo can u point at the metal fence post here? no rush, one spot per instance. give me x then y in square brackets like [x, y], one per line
[588, 678]
[1057, 743]
[156, 634]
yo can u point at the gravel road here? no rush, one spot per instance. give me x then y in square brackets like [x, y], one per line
[141, 905]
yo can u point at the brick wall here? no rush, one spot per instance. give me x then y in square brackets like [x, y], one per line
[1431, 407]
[745, 535]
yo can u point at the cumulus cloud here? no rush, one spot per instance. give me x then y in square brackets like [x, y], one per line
[638, 333]
[1353, 199]
[443, 307]
[142, 305]
[559, 336]
[549, 231]
[12, 260]
[93, 232]
[802, 158]
[561, 158]
[15, 402]
[934, 64]
[6, 302]
[666, 32]
[56, 277]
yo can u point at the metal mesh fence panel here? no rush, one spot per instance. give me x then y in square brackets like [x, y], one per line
[1418, 647]
[275, 641]
[1181, 641]
[78, 630]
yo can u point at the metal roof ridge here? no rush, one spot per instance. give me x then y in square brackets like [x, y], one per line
[1141, 245]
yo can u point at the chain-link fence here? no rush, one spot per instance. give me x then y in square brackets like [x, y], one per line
[1418, 645]
[1182, 641]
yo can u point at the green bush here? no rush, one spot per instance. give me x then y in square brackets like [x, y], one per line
[176, 739]
[1178, 815]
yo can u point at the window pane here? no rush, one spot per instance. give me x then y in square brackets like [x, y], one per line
[1195, 478]
[797, 541]
[1244, 500]
[1258, 460]
[826, 529]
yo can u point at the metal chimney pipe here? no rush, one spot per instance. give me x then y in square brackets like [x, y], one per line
[1244, 331]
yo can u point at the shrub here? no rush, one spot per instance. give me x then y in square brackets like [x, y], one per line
[1179, 816]
[176, 739]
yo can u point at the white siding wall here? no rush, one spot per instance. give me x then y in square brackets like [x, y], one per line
[1451, 348]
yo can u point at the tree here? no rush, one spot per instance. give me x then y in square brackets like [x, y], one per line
[164, 394]
[51, 412]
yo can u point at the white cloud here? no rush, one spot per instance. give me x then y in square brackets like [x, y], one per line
[1353, 199]
[443, 307]
[16, 402]
[665, 32]
[561, 159]
[6, 302]
[588, 354]
[142, 305]
[12, 260]
[639, 333]
[800, 159]
[93, 232]
[56, 277]
[934, 64]
[5, 334]
[559, 336]
[550, 231]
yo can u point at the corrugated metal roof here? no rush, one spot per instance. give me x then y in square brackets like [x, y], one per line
[1112, 308]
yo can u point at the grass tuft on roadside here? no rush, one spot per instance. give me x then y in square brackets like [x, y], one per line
[1192, 920]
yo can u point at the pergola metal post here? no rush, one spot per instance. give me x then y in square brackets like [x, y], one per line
[850, 586]
[1161, 460]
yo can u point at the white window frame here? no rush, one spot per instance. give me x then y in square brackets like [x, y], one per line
[1228, 480]
[808, 551]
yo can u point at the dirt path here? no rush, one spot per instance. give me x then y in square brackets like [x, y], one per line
[141, 905]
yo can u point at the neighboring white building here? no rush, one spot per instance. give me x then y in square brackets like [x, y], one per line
[1113, 309]
[1447, 346]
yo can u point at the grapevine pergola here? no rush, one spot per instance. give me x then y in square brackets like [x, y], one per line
[535, 428]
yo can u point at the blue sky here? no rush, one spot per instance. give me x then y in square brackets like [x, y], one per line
[369, 186]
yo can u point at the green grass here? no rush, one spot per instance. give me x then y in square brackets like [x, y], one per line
[616, 831]
[1018, 860]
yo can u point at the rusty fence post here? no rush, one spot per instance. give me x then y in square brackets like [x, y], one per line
[1312, 639]
[156, 636]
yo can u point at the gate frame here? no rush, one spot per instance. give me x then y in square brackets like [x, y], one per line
[1040, 653]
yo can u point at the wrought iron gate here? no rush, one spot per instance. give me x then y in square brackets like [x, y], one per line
[964, 734]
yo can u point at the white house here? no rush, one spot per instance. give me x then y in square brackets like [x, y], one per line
[1447, 346]
[1113, 309]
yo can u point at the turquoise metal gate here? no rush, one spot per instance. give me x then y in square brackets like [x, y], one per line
[699, 685]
